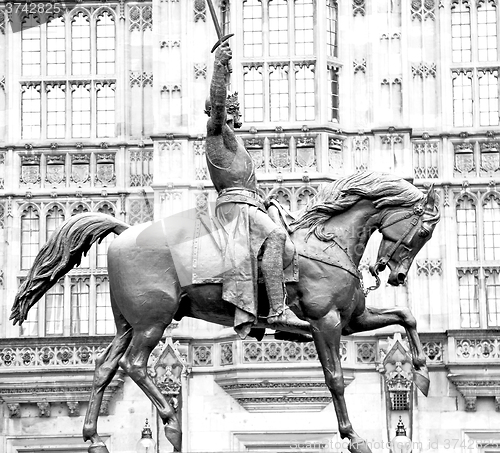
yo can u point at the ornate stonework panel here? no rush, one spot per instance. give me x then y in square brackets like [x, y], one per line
[425, 159]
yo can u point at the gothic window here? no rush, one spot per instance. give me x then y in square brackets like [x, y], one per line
[491, 222]
[80, 43]
[56, 110]
[56, 51]
[80, 305]
[102, 247]
[333, 79]
[331, 27]
[105, 324]
[493, 296]
[54, 310]
[279, 42]
[468, 288]
[29, 327]
[30, 236]
[475, 63]
[105, 44]
[305, 92]
[252, 28]
[30, 48]
[31, 111]
[54, 218]
[466, 230]
[253, 100]
[478, 236]
[80, 103]
[278, 93]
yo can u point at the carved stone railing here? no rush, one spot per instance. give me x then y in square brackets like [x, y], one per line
[474, 365]
[45, 371]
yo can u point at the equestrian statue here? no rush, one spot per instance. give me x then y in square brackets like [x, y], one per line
[248, 266]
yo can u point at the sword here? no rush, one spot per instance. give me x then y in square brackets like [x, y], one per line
[218, 29]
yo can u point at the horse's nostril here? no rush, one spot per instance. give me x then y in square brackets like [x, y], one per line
[401, 277]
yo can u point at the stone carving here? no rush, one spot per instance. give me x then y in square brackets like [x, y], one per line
[424, 70]
[30, 169]
[464, 158]
[80, 168]
[141, 18]
[425, 158]
[226, 353]
[44, 356]
[429, 267]
[141, 167]
[366, 352]
[433, 350]
[361, 149]
[474, 349]
[200, 10]
[43, 409]
[2, 80]
[490, 157]
[140, 79]
[423, 9]
[200, 71]
[202, 355]
[397, 372]
[14, 410]
[470, 403]
[56, 169]
[73, 408]
[359, 66]
[358, 7]
[105, 169]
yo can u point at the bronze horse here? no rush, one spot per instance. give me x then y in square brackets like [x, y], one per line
[330, 235]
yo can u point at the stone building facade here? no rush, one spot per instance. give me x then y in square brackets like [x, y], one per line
[101, 109]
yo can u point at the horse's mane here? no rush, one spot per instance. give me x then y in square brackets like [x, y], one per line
[334, 198]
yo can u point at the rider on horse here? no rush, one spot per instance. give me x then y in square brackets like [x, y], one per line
[239, 205]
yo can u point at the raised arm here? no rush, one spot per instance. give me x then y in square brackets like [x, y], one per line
[218, 87]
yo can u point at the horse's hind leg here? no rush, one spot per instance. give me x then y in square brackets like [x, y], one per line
[326, 333]
[134, 362]
[375, 318]
[105, 369]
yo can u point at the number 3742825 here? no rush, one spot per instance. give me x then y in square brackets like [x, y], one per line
[35, 8]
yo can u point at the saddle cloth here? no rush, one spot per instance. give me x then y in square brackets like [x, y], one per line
[209, 244]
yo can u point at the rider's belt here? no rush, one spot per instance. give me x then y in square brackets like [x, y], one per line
[240, 196]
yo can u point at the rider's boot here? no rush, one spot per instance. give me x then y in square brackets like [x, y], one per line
[272, 269]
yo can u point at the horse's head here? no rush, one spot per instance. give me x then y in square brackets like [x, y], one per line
[405, 231]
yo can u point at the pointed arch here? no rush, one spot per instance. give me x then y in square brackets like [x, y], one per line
[466, 218]
[54, 216]
[491, 226]
[283, 195]
[30, 234]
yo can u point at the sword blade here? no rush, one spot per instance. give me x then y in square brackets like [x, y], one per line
[215, 19]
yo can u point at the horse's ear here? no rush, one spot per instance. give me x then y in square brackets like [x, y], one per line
[431, 198]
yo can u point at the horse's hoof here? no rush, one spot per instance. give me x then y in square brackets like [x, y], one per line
[174, 436]
[359, 446]
[421, 379]
[98, 448]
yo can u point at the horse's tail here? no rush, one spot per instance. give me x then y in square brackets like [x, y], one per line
[62, 252]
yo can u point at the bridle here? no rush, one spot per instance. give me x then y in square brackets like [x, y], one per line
[380, 265]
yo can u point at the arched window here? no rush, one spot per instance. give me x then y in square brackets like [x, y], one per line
[466, 229]
[80, 305]
[105, 43]
[30, 236]
[102, 247]
[105, 324]
[55, 217]
[54, 309]
[491, 222]
[80, 44]
[80, 209]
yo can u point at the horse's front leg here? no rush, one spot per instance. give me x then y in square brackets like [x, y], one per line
[375, 318]
[326, 333]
